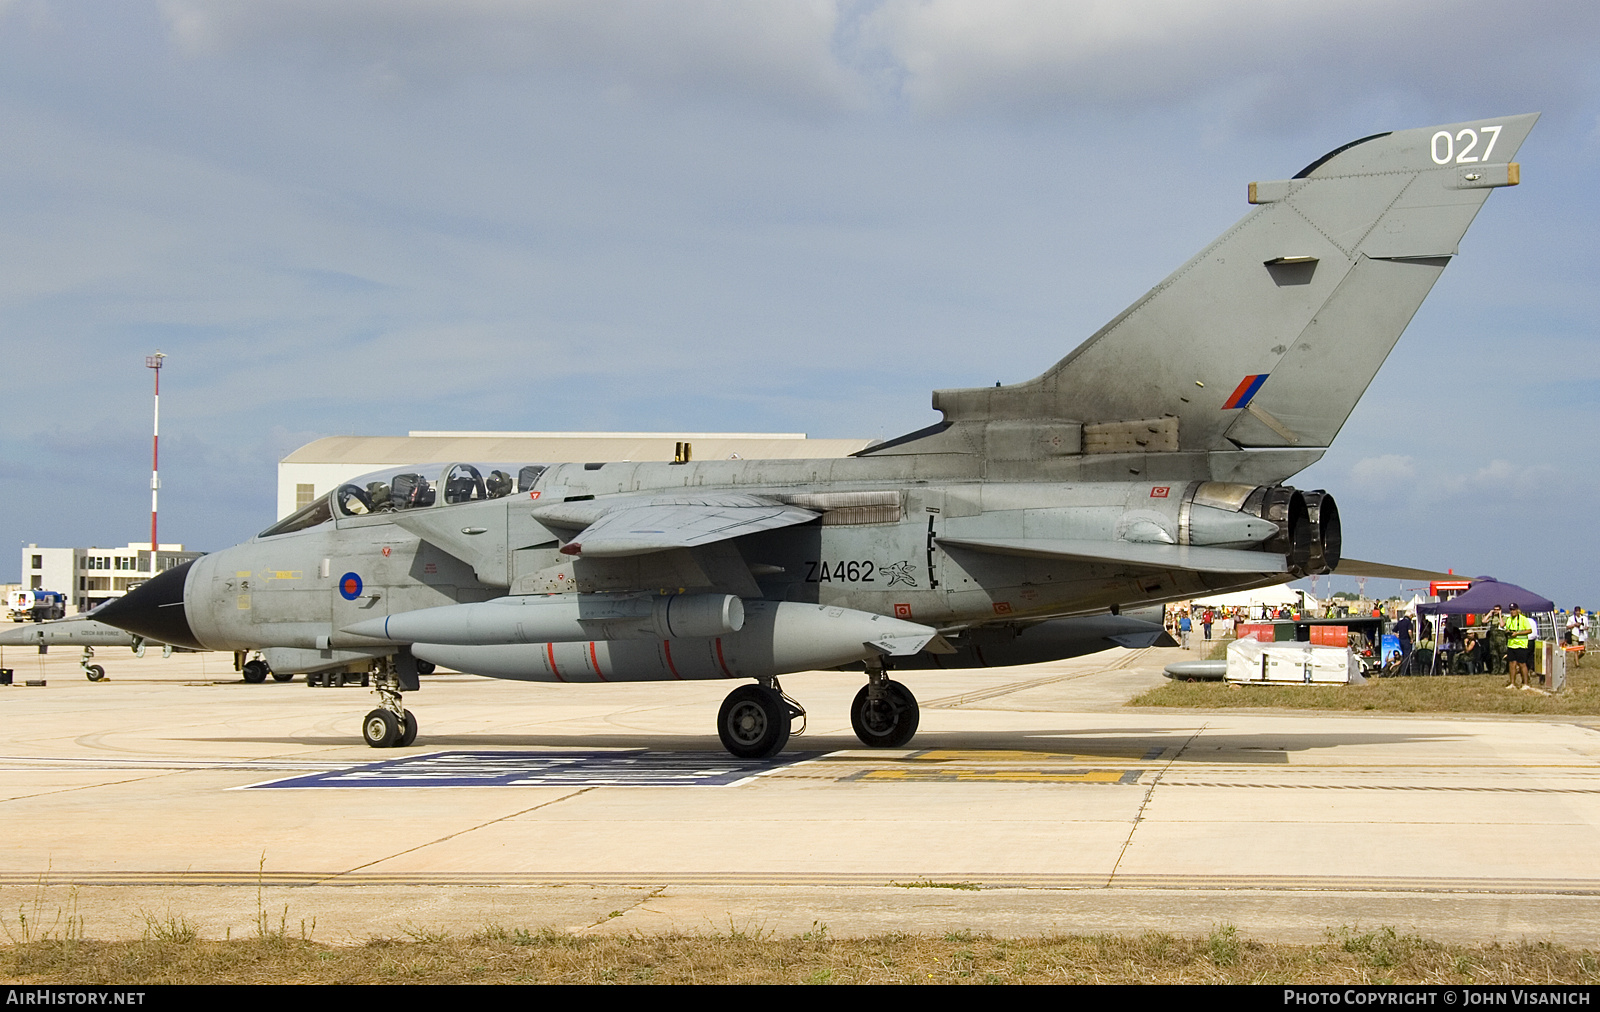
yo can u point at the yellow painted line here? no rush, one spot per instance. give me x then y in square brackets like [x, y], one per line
[986, 755]
[998, 776]
[1005, 756]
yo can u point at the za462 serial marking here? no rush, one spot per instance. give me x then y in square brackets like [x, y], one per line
[840, 572]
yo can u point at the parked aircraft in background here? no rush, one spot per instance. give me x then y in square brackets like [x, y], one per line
[78, 631]
[1028, 524]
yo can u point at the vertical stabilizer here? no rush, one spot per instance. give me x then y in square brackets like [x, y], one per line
[1269, 336]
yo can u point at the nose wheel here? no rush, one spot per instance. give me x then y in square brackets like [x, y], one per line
[391, 725]
[93, 672]
[382, 729]
[885, 714]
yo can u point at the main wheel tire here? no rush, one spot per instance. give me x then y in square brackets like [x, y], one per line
[381, 729]
[255, 672]
[282, 676]
[886, 722]
[425, 668]
[753, 722]
[94, 672]
[410, 733]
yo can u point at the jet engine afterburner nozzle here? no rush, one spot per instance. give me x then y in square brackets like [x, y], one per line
[1296, 535]
[1328, 540]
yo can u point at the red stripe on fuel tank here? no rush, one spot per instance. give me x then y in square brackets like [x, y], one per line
[666, 646]
[722, 663]
[550, 651]
[596, 661]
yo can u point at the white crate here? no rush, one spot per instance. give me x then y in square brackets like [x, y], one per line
[1291, 664]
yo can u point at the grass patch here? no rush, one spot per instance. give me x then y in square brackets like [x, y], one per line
[514, 955]
[1420, 694]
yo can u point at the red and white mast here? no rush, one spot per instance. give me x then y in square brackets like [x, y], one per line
[153, 362]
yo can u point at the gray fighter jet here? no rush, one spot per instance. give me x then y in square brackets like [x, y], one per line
[77, 631]
[1028, 524]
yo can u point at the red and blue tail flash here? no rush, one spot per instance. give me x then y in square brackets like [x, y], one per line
[1245, 390]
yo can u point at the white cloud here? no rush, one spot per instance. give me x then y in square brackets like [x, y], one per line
[1381, 477]
[1508, 480]
[1269, 61]
[960, 54]
[777, 48]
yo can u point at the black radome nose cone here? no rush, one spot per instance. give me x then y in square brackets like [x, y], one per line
[154, 610]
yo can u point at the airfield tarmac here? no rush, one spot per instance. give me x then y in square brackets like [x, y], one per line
[1033, 802]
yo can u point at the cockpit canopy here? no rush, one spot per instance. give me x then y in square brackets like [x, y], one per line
[416, 486]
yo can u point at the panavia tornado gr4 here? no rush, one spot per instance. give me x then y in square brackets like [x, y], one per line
[1033, 522]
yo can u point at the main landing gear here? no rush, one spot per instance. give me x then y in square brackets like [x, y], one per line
[93, 672]
[755, 720]
[884, 713]
[256, 670]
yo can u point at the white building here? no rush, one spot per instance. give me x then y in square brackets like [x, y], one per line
[91, 576]
[324, 464]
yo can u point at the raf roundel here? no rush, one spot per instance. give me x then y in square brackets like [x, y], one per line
[350, 586]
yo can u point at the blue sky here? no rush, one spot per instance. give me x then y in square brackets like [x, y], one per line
[371, 217]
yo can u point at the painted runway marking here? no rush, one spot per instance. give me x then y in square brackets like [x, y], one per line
[999, 776]
[630, 768]
[985, 766]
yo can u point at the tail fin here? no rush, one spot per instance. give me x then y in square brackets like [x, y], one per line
[1270, 335]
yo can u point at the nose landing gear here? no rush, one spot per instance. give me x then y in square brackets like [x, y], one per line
[391, 725]
[383, 729]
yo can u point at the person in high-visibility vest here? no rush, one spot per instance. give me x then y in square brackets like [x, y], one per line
[1520, 632]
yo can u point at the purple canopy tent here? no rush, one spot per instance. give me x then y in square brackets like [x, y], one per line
[1485, 593]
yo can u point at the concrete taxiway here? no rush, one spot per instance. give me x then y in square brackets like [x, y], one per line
[1033, 801]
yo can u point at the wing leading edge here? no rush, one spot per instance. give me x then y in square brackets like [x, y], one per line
[632, 527]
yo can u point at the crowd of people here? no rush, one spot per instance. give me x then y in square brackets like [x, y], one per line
[1500, 641]
[1181, 620]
